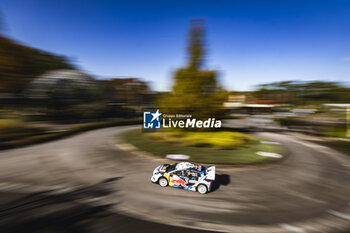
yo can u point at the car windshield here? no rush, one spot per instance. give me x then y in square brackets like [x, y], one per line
[171, 167]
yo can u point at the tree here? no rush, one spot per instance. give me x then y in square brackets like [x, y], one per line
[304, 93]
[195, 90]
[20, 64]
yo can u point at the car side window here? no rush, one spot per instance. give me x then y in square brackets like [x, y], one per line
[181, 173]
[194, 173]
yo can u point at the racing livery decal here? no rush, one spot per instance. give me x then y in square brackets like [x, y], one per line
[185, 175]
[175, 180]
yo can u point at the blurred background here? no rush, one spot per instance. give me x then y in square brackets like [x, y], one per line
[44, 92]
[104, 73]
[260, 66]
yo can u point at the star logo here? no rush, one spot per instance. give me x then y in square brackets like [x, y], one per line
[156, 115]
[151, 120]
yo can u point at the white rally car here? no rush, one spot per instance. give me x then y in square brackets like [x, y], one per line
[185, 175]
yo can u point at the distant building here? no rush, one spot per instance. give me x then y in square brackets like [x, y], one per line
[63, 85]
[129, 92]
[234, 101]
[64, 95]
[237, 98]
[239, 103]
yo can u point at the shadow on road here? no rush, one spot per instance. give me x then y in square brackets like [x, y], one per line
[220, 179]
[64, 212]
[54, 210]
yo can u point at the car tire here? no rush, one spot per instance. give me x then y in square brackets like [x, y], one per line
[163, 182]
[202, 189]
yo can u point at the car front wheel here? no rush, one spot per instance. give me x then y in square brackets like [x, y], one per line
[202, 189]
[163, 182]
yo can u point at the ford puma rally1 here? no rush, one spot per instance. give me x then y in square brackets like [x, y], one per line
[185, 175]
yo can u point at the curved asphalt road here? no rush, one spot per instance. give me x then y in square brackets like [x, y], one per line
[306, 192]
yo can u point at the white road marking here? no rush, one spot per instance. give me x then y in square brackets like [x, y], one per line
[340, 215]
[292, 228]
[177, 156]
[270, 142]
[269, 154]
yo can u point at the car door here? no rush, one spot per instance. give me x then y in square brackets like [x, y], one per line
[193, 176]
[179, 179]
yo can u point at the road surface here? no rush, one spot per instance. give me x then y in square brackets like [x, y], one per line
[309, 191]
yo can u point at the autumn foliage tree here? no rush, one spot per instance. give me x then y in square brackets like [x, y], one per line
[195, 90]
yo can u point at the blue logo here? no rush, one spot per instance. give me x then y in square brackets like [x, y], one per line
[151, 120]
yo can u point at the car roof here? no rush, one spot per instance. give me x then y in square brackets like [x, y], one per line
[184, 165]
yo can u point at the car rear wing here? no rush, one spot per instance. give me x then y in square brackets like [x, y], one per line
[211, 173]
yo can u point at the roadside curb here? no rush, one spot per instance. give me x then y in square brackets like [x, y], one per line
[121, 145]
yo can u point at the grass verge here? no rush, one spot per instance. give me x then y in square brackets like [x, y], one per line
[57, 135]
[339, 144]
[242, 155]
[215, 139]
